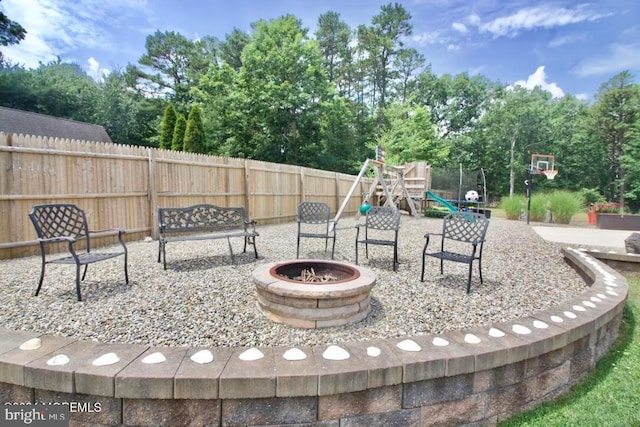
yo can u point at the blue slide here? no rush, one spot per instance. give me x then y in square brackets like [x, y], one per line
[442, 201]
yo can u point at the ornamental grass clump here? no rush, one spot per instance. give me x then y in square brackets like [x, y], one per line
[539, 206]
[564, 205]
[513, 206]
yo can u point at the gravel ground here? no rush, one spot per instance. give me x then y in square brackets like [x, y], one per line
[202, 299]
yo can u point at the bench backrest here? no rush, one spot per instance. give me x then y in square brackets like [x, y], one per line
[201, 217]
[465, 227]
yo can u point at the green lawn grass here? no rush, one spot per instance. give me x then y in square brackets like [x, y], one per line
[609, 396]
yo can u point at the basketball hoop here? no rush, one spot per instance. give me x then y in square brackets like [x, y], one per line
[550, 173]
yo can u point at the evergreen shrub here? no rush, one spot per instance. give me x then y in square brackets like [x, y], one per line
[564, 205]
[513, 205]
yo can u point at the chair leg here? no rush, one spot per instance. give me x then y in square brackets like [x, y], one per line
[480, 268]
[231, 250]
[126, 272]
[41, 278]
[84, 274]
[159, 248]
[298, 248]
[333, 248]
[469, 279]
[78, 281]
[395, 257]
[255, 248]
[424, 255]
[356, 252]
[164, 255]
[441, 266]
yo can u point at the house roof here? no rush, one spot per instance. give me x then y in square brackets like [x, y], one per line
[27, 123]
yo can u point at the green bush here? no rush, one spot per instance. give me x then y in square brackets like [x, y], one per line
[513, 206]
[590, 196]
[539, 204]
[564, 205]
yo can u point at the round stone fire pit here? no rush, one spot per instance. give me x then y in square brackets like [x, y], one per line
[313, 293]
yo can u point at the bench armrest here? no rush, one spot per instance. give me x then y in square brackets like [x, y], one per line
[58, 239]
[108, 231]
[252, 223]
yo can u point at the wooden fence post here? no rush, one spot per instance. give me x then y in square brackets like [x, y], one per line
[247, 188]
[153, 194]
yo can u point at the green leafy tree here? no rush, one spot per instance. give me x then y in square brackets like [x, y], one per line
[614, 113]
[58, 89]
[231, 48]
[411, 136]
[581, 158]
[516, 124]
[381, 43]
[10, 32]
[632, 165]
[173, 63]
[284, 85]
[194, 139]
[120, 111]
[178, 133]
[333, 37]
[167, 127]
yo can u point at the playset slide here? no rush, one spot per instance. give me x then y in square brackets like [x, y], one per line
[442, 201]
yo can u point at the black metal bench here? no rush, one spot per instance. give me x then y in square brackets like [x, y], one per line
[465, 227]
[61, 222]
[204, 222]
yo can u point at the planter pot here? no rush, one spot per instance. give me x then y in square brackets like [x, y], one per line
[618, 222]
[592, 216]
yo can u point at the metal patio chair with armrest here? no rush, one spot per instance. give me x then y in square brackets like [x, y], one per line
[314, 221]
[55, 223]
[463, 227]
[379, 221]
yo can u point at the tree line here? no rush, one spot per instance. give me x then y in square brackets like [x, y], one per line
[325, 100]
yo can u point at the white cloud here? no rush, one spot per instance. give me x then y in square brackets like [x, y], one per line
[616, 58]
[425, 38]
[460, 27]
[536, 17]
[564, 40]
[539, 79]
[94, 70]
[453, 47]
[474, 19]
[59, 27]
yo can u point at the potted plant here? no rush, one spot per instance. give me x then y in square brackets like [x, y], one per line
[609, 217]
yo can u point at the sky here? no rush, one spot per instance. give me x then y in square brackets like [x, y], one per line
[564, 46]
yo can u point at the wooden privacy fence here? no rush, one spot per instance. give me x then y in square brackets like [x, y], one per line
[122, 186]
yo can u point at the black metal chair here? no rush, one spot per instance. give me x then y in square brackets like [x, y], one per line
[314, 221]
[463, 227]
[380, 223]
[56, 223]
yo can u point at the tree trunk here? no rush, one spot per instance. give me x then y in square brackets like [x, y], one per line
[512, 172]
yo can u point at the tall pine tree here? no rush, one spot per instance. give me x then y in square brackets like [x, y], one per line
[194, 135]
[167, 126]
[178, 133]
